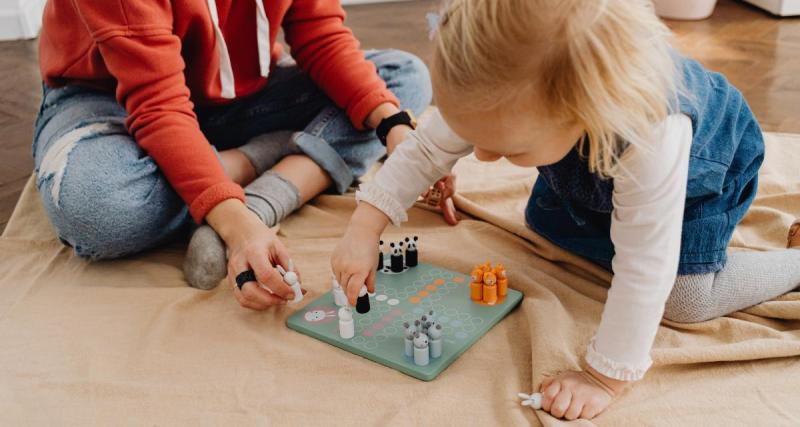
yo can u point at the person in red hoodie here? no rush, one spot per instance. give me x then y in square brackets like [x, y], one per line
[156, 113]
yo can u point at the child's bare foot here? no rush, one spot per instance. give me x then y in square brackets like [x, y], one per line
[793, 241]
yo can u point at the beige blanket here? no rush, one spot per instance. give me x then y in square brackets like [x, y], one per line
[127, 342]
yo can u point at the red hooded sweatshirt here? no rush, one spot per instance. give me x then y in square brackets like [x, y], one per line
[161, 56]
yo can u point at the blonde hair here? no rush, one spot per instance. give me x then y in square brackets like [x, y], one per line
[603, 64]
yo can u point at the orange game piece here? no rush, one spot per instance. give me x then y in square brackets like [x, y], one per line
[502, 280]
[476, 286]
[489, 288]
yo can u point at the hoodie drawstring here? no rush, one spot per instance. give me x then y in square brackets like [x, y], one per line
[225, 67]
[263, 38]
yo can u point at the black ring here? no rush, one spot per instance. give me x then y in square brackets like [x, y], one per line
[244, 277]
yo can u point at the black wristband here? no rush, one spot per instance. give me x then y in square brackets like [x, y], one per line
[405, 117]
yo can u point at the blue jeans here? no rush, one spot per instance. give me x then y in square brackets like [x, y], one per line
[107, 198]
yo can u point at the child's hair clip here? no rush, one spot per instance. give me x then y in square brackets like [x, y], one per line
[436, 20]
[433, 24]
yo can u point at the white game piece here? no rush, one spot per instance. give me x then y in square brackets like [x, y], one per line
[534, 400]
[381, 298]
[347, 327]
[393, 301]
[435, 334]
[421, 352]
[408, 338]
[339, 298]
[291, 279]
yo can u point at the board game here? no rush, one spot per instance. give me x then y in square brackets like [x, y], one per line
[403, 297]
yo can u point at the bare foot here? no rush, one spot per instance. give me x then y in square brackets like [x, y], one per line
[793, 240]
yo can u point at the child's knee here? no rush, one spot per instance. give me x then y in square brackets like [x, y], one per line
[691, 300]
[687, 314]
[106, 208]
[108, 227]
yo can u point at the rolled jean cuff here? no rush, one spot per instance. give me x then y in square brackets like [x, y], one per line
[327, 158]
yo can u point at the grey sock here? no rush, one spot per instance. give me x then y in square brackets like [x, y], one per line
[749, 278]
[271, 197]
[264, 151]
[206, 262]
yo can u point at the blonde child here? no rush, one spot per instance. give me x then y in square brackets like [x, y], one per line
[647, 162]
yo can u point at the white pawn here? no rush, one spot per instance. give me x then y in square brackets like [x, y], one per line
[291, 279]
[339, 298]
[408, 338]
[534, 400]
[347, 328]
[421, 353]
[435, 335]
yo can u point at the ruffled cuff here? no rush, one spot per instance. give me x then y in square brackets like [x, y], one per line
[614, 369]
[382, 200]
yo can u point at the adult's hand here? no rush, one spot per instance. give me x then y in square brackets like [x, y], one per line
[251, 246]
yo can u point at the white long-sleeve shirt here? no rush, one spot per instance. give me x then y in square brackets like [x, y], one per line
[649, 196]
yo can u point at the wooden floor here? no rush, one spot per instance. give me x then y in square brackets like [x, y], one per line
[760, 54]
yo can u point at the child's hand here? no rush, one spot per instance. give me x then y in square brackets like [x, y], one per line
[574, 394]
[355, 258]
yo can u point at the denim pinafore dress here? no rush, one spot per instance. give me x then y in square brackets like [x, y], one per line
[571, 206]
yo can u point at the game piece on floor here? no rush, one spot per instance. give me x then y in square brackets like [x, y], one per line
[339, 297]
[408, 339]
[534, 400]
[291, 279]
[380, 256]
[421, 352]
[434, 197]
[476, 285]
[431, 316]
[489, 288]
[435, 335]
[412, 256]
[396, 258]
[362, 303]
[418, 326]
[347, 327]
[502, 280]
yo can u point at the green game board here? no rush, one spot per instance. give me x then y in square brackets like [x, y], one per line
[404, 297]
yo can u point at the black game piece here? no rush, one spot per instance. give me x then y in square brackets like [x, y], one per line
[396, 258]
[380, 256]
[412, 256]
[362, 303]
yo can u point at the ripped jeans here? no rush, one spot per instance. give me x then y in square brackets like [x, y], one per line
[107, 198]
